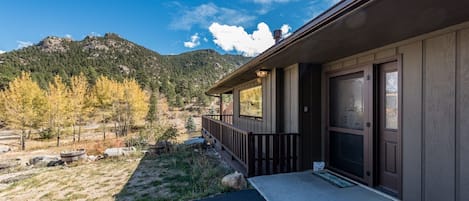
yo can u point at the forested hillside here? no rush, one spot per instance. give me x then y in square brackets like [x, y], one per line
[182, 78]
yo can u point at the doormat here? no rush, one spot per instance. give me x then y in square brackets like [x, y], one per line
[331, 178]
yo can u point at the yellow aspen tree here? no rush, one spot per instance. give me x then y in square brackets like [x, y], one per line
[24, 105]
[103, 96]
[136, 103]
[117, 107]
[78, 100]
[58, 106]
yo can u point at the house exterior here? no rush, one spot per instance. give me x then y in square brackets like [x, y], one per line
[378, 89]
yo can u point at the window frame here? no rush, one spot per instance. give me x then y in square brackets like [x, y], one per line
[261, 105]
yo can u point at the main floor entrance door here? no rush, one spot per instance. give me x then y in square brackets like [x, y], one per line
[389, 146]
[363, 135]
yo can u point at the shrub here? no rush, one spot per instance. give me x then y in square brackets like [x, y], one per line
[46, 133]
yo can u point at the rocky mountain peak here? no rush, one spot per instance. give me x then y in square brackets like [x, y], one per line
[54, 44]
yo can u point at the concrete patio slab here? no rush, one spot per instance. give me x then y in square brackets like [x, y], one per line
[299, 186]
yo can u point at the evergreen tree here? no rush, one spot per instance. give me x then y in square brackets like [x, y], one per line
[190, 124]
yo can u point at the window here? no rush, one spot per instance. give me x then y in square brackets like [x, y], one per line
[346, 104]
[250, 102]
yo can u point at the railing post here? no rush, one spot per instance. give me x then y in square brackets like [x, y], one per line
[250, 155]
[221, 136]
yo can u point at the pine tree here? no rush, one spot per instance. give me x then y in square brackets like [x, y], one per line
[152, 114]
[190, 124]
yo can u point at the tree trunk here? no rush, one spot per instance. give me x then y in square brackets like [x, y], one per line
[104, 128]
[58, 137]
[115, 130]
[73, 127]
[23, 146]
[79, 133]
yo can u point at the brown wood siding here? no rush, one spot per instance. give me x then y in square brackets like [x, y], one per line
[439, 117]
[290, 98]
[435, 110]
[268, 123]
[462, 121]
[412, 107]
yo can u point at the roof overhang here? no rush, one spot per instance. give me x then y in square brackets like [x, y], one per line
[351, 27]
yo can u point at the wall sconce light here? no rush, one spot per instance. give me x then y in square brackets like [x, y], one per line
[261, 73]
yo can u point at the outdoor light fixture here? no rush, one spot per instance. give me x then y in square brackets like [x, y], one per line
[262, 73]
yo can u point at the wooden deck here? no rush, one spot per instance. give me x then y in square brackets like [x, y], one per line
[258, 153]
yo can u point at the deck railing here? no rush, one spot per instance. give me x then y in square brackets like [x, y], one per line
[227, 118]
[258, 153]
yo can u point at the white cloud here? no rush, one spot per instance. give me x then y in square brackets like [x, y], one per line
[235, 38]
[68, 36]
[2, 51]
[194, 42]
[205, 14]
[23, 44]
[285, 30]
[205, 39]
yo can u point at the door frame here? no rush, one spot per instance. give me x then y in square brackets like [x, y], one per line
[398, 60]
[367, 70]
[370, 154]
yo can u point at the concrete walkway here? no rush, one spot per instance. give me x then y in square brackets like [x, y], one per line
[299, 186]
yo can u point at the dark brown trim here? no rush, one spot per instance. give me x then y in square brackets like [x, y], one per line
[352, 68]
[251, 84]
[399, 119]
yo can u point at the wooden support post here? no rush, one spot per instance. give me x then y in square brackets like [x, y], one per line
[221, 107]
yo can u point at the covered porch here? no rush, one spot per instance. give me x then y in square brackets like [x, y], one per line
[254, 153]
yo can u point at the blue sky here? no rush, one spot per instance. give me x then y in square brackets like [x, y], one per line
[168, 27]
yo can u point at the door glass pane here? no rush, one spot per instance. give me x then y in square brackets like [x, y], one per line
[346, 152]
[346, 101]
[391, 100]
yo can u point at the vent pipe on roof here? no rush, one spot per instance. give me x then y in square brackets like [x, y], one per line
[277, 35]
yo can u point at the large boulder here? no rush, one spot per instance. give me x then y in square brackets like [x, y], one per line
[45, 161]
[119, 151]
[235, 180]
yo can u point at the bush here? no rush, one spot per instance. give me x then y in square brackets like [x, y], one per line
[169, 134]
[46, 133]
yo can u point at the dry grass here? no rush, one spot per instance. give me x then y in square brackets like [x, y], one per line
[183, 174]
[86, 181]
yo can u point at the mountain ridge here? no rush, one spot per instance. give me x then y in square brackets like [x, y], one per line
[183, 78]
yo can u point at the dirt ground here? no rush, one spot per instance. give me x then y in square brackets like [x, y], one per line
[94, 181]
[183, 174]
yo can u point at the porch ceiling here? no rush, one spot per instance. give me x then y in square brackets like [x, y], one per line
[351, 27]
